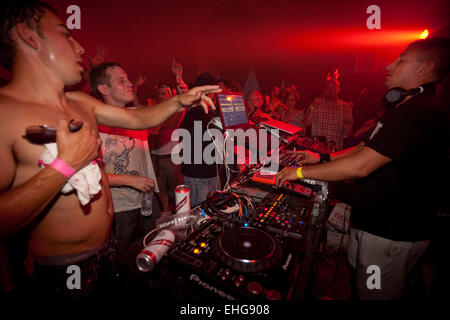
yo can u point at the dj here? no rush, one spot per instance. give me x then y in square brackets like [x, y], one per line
[391, 213]
[44, 58]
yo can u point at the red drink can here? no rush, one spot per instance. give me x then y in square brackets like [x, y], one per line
[153, 253]
[182, 199]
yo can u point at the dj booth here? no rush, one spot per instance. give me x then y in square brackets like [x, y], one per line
[266, 255]
[251, 240]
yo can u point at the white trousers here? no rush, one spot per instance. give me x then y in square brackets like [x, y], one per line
[394, 259]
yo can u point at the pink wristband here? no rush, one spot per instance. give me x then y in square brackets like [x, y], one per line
[62, 167]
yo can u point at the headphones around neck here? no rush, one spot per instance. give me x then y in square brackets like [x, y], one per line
[396, 95]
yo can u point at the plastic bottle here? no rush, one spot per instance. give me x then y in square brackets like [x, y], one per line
[146, 205]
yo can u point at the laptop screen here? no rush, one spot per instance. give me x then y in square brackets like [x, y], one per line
[232, 110]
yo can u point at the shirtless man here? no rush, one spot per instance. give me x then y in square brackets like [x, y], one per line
[44, 58]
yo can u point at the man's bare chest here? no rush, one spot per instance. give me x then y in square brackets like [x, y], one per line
[27, 153]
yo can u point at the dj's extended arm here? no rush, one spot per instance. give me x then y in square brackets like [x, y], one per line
[357, 165]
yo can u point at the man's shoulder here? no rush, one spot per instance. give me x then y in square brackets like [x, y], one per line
[10, 104]
[15, 116]
[6, 96]
[82, 98]
[422, 106]
[78, 96]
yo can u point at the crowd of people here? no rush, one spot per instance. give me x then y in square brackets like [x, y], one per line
[135, 143]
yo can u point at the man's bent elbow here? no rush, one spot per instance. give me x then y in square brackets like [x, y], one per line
[361, 171]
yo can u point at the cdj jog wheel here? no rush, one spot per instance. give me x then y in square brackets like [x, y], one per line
[248, 250]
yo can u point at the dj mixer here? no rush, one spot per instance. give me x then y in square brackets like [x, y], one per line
[231, 261]
[256, 255]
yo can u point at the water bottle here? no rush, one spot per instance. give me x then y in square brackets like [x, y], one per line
[146, 205]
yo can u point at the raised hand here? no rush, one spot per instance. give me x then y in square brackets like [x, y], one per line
[140, 81]
[177, 69]
[99, 56]
[199, 96]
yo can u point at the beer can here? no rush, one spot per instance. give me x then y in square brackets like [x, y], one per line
[152, 254]
[182, 199]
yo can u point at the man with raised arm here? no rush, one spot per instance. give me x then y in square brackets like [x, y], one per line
[126, 159]
[44, 58]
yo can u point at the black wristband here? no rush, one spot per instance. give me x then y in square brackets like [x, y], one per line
[324, 157]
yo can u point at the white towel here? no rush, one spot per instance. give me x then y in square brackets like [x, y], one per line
[85, 181]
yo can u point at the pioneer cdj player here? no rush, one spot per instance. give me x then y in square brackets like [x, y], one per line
[236, 262]
[257, 256]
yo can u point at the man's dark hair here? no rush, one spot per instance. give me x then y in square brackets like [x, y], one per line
[204, 79]
[436, 50]
[13, 12]
[99, 76]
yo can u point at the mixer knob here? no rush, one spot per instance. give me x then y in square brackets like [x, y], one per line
[239, 281]
[272, 294]
[255, 288]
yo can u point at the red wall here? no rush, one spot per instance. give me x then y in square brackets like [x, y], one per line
[280, 40]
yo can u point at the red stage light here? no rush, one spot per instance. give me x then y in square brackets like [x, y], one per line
[424, 34]
[348, 39]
